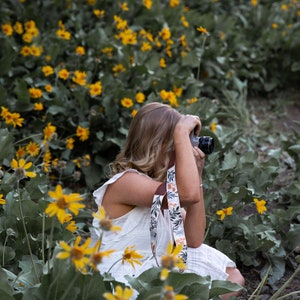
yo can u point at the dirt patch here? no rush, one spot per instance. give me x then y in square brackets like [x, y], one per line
[274, 117]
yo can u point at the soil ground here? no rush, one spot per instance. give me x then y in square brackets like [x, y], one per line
[279, 115]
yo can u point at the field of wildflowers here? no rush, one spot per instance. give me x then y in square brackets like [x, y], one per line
[73, 73]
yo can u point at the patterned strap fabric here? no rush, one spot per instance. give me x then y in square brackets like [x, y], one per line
[169, 188]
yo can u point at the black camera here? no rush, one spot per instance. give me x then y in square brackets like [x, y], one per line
[204, 143]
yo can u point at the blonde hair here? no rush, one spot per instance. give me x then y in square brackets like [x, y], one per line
[149, 141]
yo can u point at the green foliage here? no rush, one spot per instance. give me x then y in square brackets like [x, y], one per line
[248, 49]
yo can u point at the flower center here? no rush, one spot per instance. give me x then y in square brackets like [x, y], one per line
[76, 254]
[62, 203]
[20, 173]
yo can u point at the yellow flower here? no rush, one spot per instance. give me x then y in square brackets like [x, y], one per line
[38, 106]
[80, 50]
[119, 294]
[260, 205]
[2, 200]
[124, 6]
[117, 69]
[27, 37]
[177, 91]
[174, 3]
[134, 112]
[172, 258]
[33, 149]
[18, 27]
[71, 226]
[146, 46]
[202, 30]
[192, 100]
[70, 143]
[47, 70]
[20, 152]
[128, 37]
[48, 88]
[63, 204]
[63, 34]
[79, 253]
[36, 51]
[284, 7]
[274, 25]
[97, 256]
[148, 3]
[224, 212]
[213, 126]
[11, 118]
[20, 168]
[91, 2]
[47, 58]
[7, 29]
[222, 35]
[169, 96]
[165, 33]
[49, 131]
[63, 74]
[169, 294]
[162, 63]
[104, 222]
[131, 256]
[108, 51]
[47, 161]
[25, 51]
[126, 102]
[140, 97]
[99, 13]
[120, 23]
[79, 77]
[183, 41]
[254, 2]
[35, 93]
[95, 89]
[82, 133]
[184, 22]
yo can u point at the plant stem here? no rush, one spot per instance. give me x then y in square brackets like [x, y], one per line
[287, 295]
[283, 287]
[4, 246]
[200, 59]
[261, 284]
[65, 294]
[50, 244]
[43, 239]
[26, 234]
[113, 265]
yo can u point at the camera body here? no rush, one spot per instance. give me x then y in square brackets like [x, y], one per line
[204, 143]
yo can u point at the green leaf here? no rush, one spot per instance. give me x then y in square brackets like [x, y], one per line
[295, 148]
[21, 90]
[230, 161]
[219, 287]
[6, 144]
[7, 59]
[5, 288]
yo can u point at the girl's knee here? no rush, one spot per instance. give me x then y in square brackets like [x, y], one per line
[235, 276]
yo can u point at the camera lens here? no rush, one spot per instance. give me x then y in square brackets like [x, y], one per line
[206, 144]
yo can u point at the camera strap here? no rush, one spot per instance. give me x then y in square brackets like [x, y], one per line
[168, 188]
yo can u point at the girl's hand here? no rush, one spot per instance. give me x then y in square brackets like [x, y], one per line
[190, 123]
[200, 159]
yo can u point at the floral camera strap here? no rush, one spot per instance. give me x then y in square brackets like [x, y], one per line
[168, 188]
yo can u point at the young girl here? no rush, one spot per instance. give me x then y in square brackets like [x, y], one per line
[159, 139]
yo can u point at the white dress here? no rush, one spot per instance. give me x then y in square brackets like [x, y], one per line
[203, 261]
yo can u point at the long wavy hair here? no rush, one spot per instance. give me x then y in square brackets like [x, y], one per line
[149, 142]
